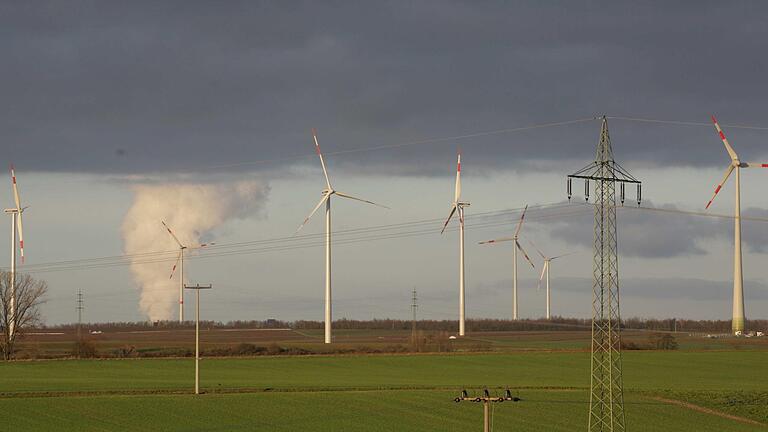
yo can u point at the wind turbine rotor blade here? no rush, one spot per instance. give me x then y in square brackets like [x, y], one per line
[322, 161]
[359, 199]
[20, 210]
[541, 254]
[728, 147]
[167, 228]
[754, 165]
[520, 224]
[15, 189]
[498, 240]
[457, 192]
[322, 201]
[720, 185]
[203, 245]
[517, 243]
[543, 269]
[173, 270]
[19, 227]
[563, 255]
[453, 210]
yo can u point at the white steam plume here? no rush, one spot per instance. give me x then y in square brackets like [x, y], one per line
[192, 211]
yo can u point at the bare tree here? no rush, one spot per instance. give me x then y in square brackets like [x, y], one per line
[29, 296]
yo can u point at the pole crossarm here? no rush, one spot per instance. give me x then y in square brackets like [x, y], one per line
[486, 399]
[198, 287]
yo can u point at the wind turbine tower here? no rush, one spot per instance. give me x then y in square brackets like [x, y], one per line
[606, 398]
[16, 226]
[515, 238]
[458, 207]
[738, 318]
[327, 192]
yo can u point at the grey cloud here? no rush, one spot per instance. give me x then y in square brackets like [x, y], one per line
[177, 86]
[645, 234]
[673, 288]
[754, 235]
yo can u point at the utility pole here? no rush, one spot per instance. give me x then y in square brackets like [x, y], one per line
[197, 289]
[414, 305]
[79, 312]
[606, 398]
[486, 399]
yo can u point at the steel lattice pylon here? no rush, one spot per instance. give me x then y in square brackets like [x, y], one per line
[606, 400]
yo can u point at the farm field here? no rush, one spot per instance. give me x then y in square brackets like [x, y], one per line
[377, 392]
[411, 410]
[59, 344]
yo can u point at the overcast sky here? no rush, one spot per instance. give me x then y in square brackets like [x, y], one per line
[101, 97]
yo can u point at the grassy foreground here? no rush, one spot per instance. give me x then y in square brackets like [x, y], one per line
[292, 393]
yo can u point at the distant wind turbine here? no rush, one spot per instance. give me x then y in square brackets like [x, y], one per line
[326, 199]
[545, 270]
[737, 325]
[16, 213]
[458, 206]
[180, 263]
[517, 246]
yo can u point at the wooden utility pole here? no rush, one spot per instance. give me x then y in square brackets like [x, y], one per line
[486, 399]
[79, 314]
[414, 305]
[197, 289]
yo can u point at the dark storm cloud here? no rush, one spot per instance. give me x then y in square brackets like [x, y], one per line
[156, 86]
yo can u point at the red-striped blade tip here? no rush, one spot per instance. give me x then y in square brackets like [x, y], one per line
[714, 120]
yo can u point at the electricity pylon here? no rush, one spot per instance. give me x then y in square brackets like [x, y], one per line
[606, 398]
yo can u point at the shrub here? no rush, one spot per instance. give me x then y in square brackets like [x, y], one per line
[84, 349]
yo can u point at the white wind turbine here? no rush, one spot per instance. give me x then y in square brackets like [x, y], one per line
[737, 324]
[458, 206]
[180, 264]
[545, 270]
[16, 213]
[515, 238]
[326, 198]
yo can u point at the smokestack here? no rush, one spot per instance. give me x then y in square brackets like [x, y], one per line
[193, 210]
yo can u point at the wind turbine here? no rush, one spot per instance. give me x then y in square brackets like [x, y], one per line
[737, 325]
[180, 263]
[545, 270]
[458, 206]
[517, 246]
[326, 199]
[16, 224]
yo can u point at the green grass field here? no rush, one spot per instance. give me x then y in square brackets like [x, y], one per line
[378, 392]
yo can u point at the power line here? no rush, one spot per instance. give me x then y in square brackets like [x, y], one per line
[684, 123]
[357, 235]
[411, 143]
[411, 229]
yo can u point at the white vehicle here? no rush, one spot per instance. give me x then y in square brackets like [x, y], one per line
[451, 337]
[95, 332]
